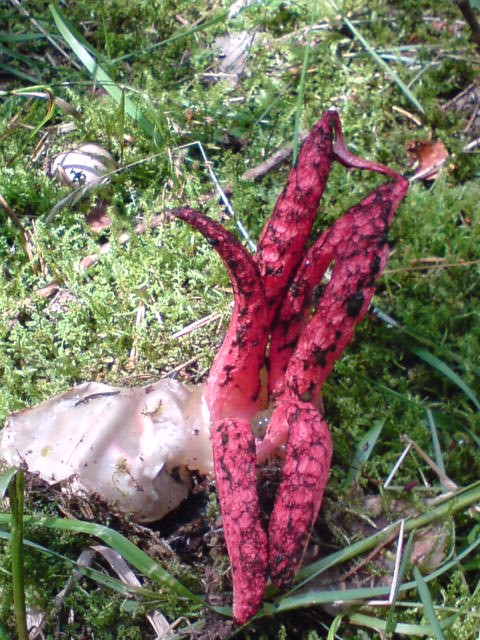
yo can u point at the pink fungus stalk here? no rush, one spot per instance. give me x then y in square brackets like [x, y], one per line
[234, 462]
[278, 295]
[233, 387]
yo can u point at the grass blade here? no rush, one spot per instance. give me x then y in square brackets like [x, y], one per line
[459, 501]
[335, 626]
[445, 370]
[401, 628]
[301, 86]
[314, 597]
[17, 489]
[100, 75]
[132, 554]
[363, 451]
[401, 334]
[9, 70]
[426, 599]
[3, 632]
[435, 441]
[220, 17]
[5, 480]
[101, 578]
[396, 78]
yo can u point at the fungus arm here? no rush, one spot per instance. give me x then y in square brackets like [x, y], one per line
[234, 387]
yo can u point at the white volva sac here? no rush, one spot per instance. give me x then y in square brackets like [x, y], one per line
[134, 447]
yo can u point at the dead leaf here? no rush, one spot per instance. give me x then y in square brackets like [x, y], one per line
[98, 219]
[426, 157]
[48, 290]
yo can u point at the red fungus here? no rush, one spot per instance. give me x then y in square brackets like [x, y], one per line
[234, 387]
[357, 245]
[233, 391]
[282, 242]
[304, 477]
[246, 540]
[276, 299]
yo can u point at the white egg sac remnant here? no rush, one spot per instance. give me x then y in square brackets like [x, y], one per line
[134, 447]
[86, 165]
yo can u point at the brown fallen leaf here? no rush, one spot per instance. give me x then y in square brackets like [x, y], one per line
[98, 219]
[426, 157]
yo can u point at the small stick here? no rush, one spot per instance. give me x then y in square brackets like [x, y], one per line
[471, 120]
[369, 558]
[442, 476]
[396, 466]
[407, 114]
[438, 265]
[428, 172]
[222, 194]
[197, 324]
[179, 367]
[396, 569]
[271, 163]
[140, 317]
[471, 145]
[459, 96]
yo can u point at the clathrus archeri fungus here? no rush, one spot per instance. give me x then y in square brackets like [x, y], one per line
[136, 447]
[273, 293]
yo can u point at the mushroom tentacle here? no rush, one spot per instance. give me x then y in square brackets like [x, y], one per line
[234, 385]
[305, 353]
[233, 396]
[246, 540]
[304, 478]
[282, 242]
[360, 252]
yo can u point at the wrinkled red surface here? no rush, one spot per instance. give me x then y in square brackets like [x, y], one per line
[304, 478]
[276, 299]
[282, 242]
[234, 461]
[357, 244]
[233, 386]
[360, 250]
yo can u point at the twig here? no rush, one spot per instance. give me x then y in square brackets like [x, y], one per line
[271, 163]
[437, 265]
[407, 114]
[459, 96]
[442, 476]
[354, 570]
[196, 325]
[396, 570]
[471, 145]
[179, 367]
[396, 466]
[223, 197]
[428, 172]
[471, 120]
[471, 19]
